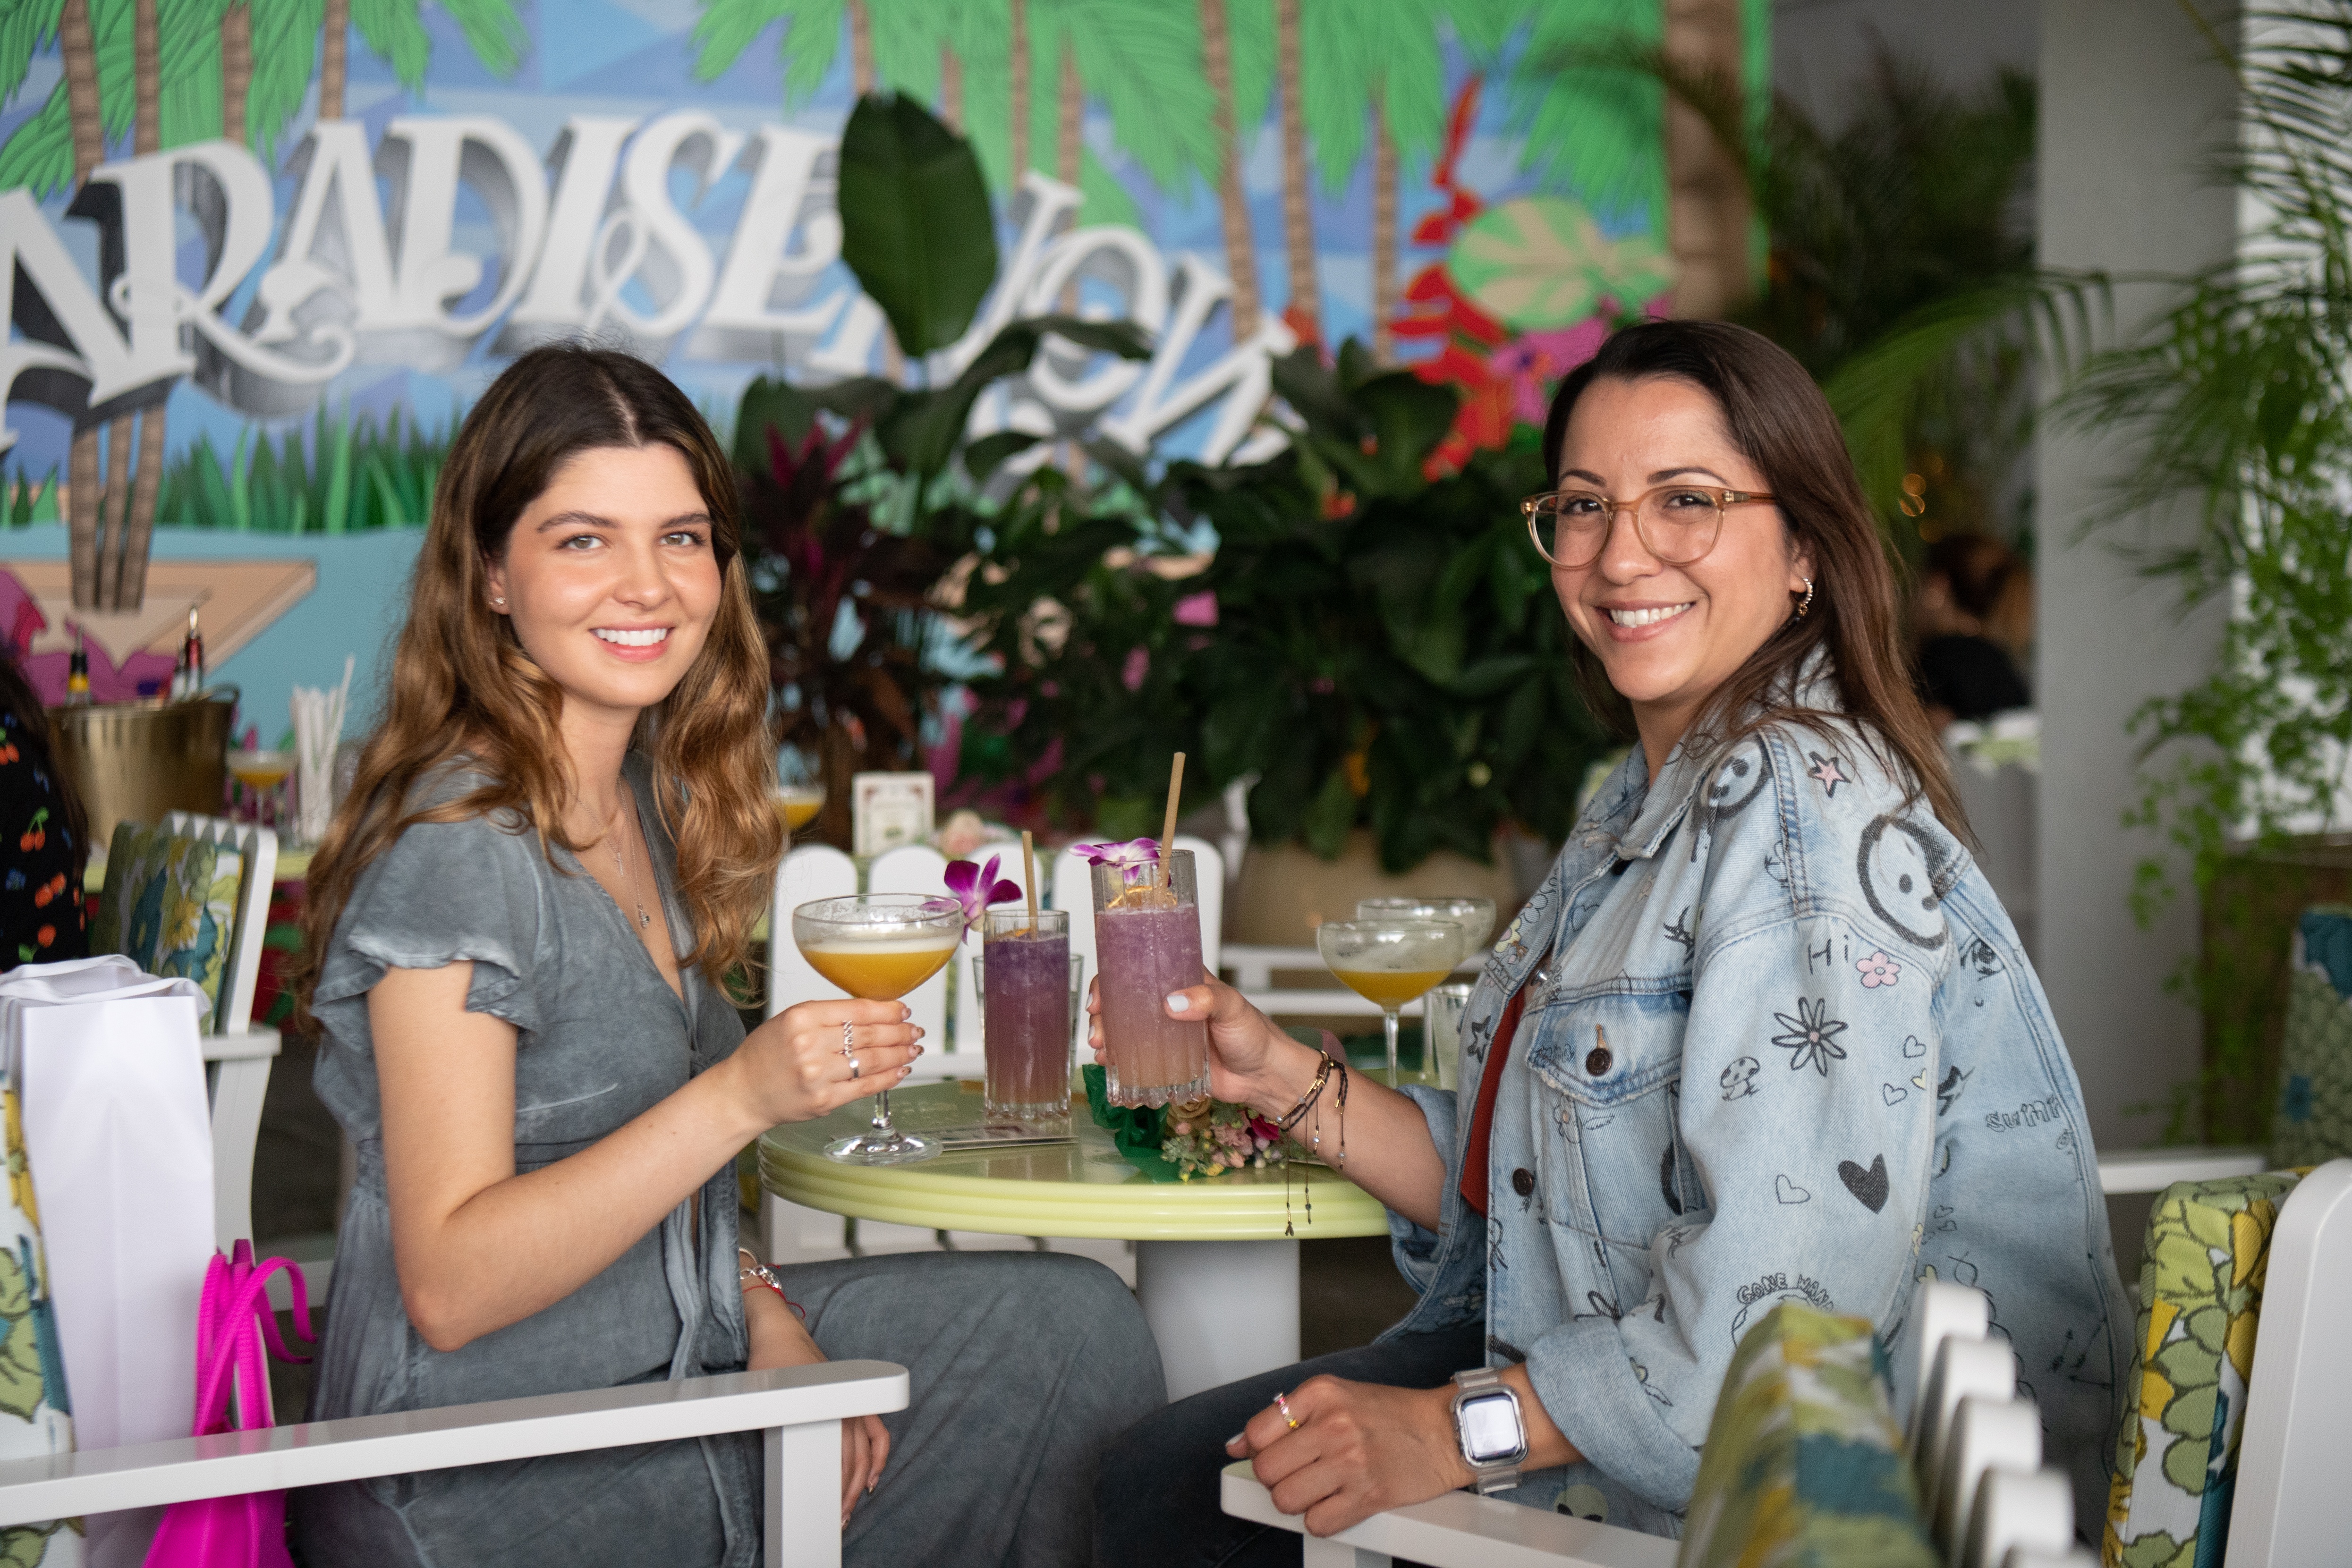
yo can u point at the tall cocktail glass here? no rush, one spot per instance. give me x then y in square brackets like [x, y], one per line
[1026, 973]
[1147, 944]
[1390, 962]
[878, 947]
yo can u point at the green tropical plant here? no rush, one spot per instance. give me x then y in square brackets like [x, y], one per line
[1385, 650]
[353, 476]
[859, 496]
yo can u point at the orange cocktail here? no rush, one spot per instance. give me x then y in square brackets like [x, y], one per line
[1389, 987]
[881, 972]
[877, 947]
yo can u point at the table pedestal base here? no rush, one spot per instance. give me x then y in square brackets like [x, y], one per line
[1220, 1310]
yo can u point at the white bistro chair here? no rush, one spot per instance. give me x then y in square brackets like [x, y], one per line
[799, 1409]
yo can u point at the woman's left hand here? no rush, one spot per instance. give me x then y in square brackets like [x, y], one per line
[779, 1339]
[1359, 1449]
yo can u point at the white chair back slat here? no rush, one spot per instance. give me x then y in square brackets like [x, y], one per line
[1209, 878]
[2018, 1512]
[808, 874]
[1940, 1311]
[1983, 1367]
[919, 868]
[1987, 1435]
[258, 846]
[1070, 887]
[970, 1035]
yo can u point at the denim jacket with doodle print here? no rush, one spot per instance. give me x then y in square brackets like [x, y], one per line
[1780, 1044]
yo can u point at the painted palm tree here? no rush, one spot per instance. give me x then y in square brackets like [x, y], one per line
[1305, 313]
[69, 23]
[1383, 80]
[1144, 65]
[1237, 57]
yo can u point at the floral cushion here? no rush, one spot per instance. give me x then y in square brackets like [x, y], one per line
[2200, 1296]
[1803, 1462]
[2313, 1120]
[170, 906]
[36, 1420]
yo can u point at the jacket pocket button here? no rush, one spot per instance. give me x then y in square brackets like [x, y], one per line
[1597, 1061]
[1523, 1181]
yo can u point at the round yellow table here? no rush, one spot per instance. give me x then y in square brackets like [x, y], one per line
[1217, 1277]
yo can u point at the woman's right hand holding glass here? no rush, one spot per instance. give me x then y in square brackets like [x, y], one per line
[799, 1065]
[1251, 1061]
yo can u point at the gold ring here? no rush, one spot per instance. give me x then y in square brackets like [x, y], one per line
[1284, 1405]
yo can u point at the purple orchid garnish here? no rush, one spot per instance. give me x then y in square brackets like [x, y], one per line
[976, 887]
[1133, 858]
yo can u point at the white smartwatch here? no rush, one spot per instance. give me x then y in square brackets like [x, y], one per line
[1487, 1423]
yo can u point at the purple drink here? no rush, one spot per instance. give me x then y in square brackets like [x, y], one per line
[1147, 944]
[1026, 1003]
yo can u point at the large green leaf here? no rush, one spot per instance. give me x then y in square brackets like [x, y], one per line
[921, 430]
[1541, 263]
[916, 226]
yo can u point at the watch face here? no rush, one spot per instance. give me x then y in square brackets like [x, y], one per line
[1490, 1428]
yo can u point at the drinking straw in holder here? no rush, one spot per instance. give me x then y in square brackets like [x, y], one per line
[317, 731]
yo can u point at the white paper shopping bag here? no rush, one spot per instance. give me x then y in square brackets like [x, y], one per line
[119, 1137]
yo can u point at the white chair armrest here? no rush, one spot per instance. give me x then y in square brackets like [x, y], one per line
[2153, 1170]
[1460, 1530]
[316, 1453]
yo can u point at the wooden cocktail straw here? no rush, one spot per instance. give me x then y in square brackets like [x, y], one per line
[1029, 875]
[1167, 828]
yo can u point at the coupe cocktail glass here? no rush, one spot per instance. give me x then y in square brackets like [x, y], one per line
[1026, 973]
[878, 947]
[1390, 962]
[1474, 915]
[1147, 944]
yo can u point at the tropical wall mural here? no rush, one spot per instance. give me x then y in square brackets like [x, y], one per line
[265, 252]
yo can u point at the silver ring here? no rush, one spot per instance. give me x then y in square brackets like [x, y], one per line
[853, 1066]
[845, 1031]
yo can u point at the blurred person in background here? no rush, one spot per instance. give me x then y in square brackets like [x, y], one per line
[1972, 616]
[44, 838]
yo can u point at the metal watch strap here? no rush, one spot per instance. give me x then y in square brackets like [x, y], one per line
[1499, 1475]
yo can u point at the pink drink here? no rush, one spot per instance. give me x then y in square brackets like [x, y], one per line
[1142, 954]
[1026, 999]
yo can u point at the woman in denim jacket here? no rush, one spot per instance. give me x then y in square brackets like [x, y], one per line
[1764, 1034]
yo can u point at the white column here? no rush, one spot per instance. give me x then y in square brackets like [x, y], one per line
[1219, 1310]
[2134, 108]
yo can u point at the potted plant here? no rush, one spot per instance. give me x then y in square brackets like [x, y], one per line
[860, 495]
[2238, 399]
[1374, 642]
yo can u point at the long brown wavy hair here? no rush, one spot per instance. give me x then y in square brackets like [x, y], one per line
[1781, 423]
[461, 683]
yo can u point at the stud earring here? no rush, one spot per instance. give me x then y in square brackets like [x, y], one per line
[1806, 604]
[497, 603]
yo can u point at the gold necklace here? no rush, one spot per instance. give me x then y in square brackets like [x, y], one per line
[613, 830]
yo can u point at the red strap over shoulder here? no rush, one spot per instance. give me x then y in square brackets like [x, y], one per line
[1481, 1119]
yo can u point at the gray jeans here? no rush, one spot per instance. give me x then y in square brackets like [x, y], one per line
[1023, 1366]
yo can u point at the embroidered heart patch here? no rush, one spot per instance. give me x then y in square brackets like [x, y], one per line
[1869, 1186]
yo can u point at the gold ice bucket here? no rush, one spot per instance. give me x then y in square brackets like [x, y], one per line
[134, 761]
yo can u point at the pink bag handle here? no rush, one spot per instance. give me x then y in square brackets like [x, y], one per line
[229, 1341]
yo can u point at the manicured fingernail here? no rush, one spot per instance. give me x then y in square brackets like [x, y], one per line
[1178, 1002]
[905, 1012]
[1237, 1438]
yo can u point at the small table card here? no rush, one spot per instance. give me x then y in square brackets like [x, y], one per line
[888, 810]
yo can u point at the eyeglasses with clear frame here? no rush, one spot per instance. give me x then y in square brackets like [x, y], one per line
[1677, 523]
